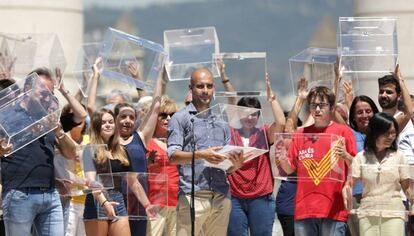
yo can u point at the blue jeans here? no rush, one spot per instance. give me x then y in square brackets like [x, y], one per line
[24, 208]
[320, 227]
[255, 215]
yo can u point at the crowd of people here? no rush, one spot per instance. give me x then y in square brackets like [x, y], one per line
[359, 184]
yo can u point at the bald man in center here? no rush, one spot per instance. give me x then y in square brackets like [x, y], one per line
[212, 195]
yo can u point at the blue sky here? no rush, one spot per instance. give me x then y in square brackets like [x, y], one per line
[132, 3]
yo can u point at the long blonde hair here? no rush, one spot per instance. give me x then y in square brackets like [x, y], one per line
[113, 144]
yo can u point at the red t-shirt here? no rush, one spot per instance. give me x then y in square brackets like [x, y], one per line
[321, 177]
[162, 189]
[254, 178]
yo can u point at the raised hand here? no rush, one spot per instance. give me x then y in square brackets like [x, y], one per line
[133, 70]
[96, 65]
[397, 73]
[338, 68]
[269, 92]
[221, 66]
[303, 88]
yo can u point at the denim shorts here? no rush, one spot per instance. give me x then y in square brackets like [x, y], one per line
[93, 208]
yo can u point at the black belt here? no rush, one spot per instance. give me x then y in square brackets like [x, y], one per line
[34, 189]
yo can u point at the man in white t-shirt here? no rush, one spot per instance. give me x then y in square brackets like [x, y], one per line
[391, 89]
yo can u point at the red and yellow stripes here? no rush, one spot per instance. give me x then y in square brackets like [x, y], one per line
[318, 170]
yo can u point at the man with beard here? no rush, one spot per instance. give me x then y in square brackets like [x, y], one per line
[27, 175]
[391, 89]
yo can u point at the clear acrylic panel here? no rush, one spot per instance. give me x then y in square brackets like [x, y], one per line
[314, 151]
[132, 186]
[29, 112]
[317, 65]
[121, 51]
[222, 124]
[189, 49]
[6, 58]
[69, 176]
[83, 68]
[31, 51]
[95, 162]
[246, 72]
[368, 44]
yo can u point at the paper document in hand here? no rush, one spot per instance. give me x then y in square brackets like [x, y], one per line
[249, 153]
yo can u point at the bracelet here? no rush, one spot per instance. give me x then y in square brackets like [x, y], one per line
[272, 98]
[139, 89]
[146, 205]
[225, 81]
[103, 203]
[61, 136]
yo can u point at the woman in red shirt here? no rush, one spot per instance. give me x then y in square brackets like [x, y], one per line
[251, 186]
[161, 192]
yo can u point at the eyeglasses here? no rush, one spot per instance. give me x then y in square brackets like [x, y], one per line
[321, 105]
[390, 134]
[164, 115]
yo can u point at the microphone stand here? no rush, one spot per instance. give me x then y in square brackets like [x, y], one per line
[192, 206]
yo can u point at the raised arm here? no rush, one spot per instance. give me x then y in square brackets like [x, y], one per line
[65, 144]
[338, 77]
[228, 87]
[404, 118]
[133, 70]
[147, 128]
[292, 118]
[93, 87]
[161, 86]
[279, 122]
[79, 113]
[349, 93]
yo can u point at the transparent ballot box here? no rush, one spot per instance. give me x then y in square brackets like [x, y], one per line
[69, 176]
[246, 72]
[222, 125]
[31, 51]
[77, 176]
[368, 44]
[121, 51]
[189, 49]
[96, 167]
[312, 154]
[83, 67]
[28, 112]
[6, 57]
[317, 65]
[133, 188]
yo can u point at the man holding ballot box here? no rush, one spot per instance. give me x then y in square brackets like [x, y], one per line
[212, 195]
[319, 206]
[29, 195]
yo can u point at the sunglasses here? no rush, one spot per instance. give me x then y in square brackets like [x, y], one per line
[164, 115]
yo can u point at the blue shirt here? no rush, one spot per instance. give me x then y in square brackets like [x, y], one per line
[32, 165]
[209, 131]
[360, 139]
[137, 154]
